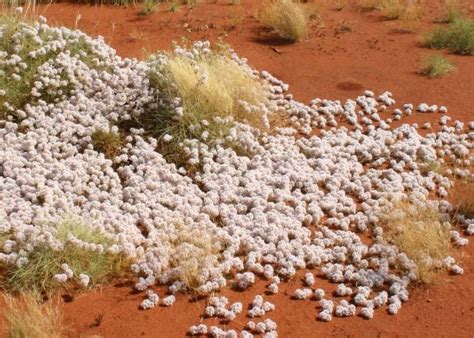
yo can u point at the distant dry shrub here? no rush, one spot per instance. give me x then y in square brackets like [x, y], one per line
[418, 231]
[149, 6]
[410, 19]
[368, 5]
[392, 9]
[450, 11]
[286, 17]
[340, 4]
[28, 317]
[437, 66]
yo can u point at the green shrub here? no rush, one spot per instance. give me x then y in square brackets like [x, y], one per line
[436, 66]
[458, 37]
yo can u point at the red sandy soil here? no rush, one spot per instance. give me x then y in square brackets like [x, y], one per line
[327, 64]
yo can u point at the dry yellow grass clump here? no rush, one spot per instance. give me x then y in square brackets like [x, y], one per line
[220, 94]
[194, 253]
[287, 18]
[215, 91]
[418, 231]
[28, 317]
[463, 197]
[410, 19]
[409, 12]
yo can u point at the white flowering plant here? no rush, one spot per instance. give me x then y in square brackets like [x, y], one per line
[33, 63]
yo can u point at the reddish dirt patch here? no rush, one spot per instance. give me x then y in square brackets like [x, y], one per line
[327, 64]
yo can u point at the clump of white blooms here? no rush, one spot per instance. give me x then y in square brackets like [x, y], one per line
[259, 307]
[367, 312]
[217, 332]
[198, 330]
[84, 280]
[309, 279]
[343, 290]
[273, 288]
[344, 309]
[168, 301]
[303, 294]
[327, 309]
[152, 300]
[319, 294]
[217, 307]
[246, 213]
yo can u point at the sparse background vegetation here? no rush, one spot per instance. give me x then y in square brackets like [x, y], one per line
[458, 37]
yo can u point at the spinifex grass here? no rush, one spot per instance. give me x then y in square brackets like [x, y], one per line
[28, 317]
[417, 230]
[437, 66]
[287, 18]
[44, 261]
[212, 89]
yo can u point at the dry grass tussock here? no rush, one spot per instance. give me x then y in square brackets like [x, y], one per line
[451, 11]
[393, 9]
[418, 231]
[368, 5]
[463, 197]
[28, 317]
[227, 84]
[194, 252]
[437, 66]
[212, 87]
[288, 18]
[107, 142]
